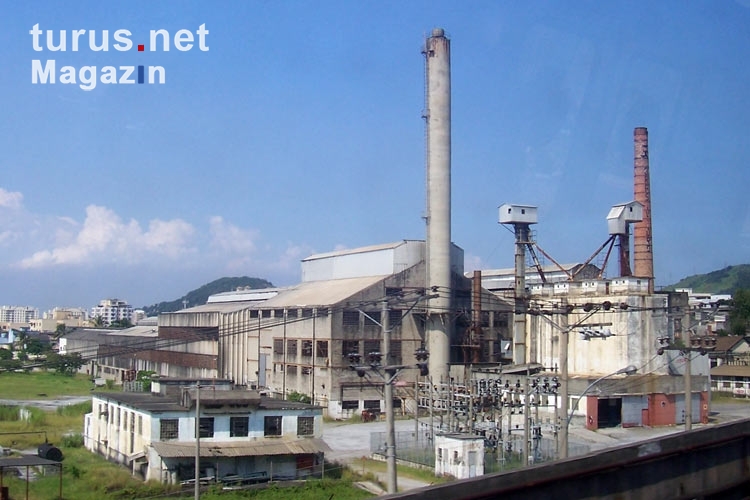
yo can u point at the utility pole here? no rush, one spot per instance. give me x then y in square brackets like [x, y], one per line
[688, 393]
[563, 346]
[197, 440]
[697, 344]
[390, 438]
[526, 418]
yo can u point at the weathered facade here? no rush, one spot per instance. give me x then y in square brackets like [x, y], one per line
[243, 435]
[612, 324]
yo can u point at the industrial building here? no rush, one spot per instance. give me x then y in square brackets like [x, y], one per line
[244, 436]
[298, 339]
[573, 321]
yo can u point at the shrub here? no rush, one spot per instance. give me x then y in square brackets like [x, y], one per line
[72, 441]
[9, 413]
[74, 410]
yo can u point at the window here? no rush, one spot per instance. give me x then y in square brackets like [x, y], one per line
[350, 318]
[253, 314]
[372, 346]
[372, 318]
[322, 312]
[349, 347]
[305, 426]
[238, 426]
[168, 428]
[291, 369]
[350, 405]
[394, 318]
[266, 313]
[291, 313]
[322, 349]
[395, 354]
[278, 313]
[206, 427]
[291, 348]
[278, 346]
[307, 347]
[140, 424]
[272, 426]
[306, 370]
[371, 404]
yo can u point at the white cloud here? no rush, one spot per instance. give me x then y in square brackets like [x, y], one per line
[11, 199]
[104, 237]
[289, 261]
[231, 239]
[472, 263]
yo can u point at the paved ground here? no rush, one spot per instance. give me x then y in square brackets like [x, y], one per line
[350, 442]
[46, 404]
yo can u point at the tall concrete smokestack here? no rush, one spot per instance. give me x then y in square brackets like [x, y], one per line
[438, 216]
[643, 249]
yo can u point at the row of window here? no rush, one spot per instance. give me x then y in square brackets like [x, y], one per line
[290, 313]
[238, 427]
[120, 416]
[321, 348]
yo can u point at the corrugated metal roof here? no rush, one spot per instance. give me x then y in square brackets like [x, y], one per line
[26, 460]
[307, 294]
[730, 371]
[321, 293]
[510, 271]
[729, 342]
[266, 446]
[351, 251]
[98, 333]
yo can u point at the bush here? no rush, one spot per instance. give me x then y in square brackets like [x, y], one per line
[72, 441]
[9, 413]
[299, 397]
[74, 410]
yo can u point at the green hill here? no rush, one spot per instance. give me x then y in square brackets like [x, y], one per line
[200, 295]
[726, 280]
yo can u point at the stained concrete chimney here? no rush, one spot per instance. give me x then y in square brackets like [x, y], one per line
[438, 216]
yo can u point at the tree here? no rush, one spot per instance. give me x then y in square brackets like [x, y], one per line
[60, 330]
[121, 323]
[98, 321]
[65, 364]
[739, 315]
[33, 346]
[6, 354]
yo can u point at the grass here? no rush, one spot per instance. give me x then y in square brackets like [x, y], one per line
[377, 466]
[54, 426]
[43, 385]
[89, 477]
[311, 490]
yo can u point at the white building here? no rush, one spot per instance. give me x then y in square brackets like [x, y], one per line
[111, 310]
[17, 314]
[244, 437]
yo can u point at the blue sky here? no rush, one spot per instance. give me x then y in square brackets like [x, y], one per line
[299, 130]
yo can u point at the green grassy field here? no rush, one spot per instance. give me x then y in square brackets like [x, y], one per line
[42, 385]
[86, 476]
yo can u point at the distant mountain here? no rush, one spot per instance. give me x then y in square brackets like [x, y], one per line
[726, 280]
[199, 296]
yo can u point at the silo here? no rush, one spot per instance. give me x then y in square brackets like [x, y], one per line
[438, 214]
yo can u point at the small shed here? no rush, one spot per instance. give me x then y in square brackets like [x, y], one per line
[459, 455]
[623, 214]
[517, 214]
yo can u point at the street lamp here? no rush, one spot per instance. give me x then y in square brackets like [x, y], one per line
[628, 370]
